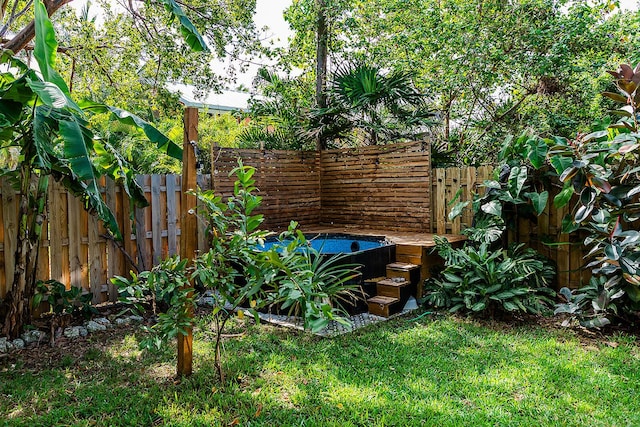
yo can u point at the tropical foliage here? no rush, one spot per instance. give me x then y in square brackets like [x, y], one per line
[52, 136]
[490, 68]
[368, 107]
[601, 169]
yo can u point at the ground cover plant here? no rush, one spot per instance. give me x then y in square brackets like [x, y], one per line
[433, 371]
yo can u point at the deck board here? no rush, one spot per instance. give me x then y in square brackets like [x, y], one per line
[397, 237]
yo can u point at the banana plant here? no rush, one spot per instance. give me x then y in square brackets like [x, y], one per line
[52, 135]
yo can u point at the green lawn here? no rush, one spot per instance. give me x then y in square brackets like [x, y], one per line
[442, 372]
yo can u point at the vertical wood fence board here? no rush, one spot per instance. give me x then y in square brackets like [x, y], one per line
[115, 258]
[10, 220]
[441, 214]
[75, 241]
[140, 230]
[172, 216]
[97, 260]
[156, 222]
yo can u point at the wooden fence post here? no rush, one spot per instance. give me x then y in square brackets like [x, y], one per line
[189, 225]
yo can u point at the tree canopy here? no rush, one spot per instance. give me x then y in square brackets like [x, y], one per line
[491, 67]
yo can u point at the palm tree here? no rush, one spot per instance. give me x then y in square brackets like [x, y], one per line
[371, 107]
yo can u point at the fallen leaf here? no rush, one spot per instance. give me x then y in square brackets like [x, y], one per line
[258, 411]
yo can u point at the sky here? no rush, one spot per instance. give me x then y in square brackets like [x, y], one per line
[268, 14]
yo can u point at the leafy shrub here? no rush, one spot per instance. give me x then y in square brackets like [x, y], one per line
[62, 300]
[601, 170]
[488, 274]
[311, 286]
[478, 279]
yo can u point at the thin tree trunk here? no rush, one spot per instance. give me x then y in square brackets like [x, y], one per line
[321, 65]
[31, 218]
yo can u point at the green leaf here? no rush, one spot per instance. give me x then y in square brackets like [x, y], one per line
[560, 163]
[49, 93]
[492, 208]
[538, 200]
[563, 197]
[612, 252]
[538, 152]
[125, 117]
[568, 224]
[46, 47]
[188, 30]
[517, 178]
[457, 210]
[615, 96]
[583, 213]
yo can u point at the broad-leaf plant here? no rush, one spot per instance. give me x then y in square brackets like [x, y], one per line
[50, 134]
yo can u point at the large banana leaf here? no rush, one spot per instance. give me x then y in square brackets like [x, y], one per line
[125, 117]
[45, 50]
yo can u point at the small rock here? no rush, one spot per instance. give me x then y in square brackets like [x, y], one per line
[206, 302]
[82, 331]
[33, 336]
[136, 319]
[18, 344]
[102, 321]
[3, 345]
[71, 332]
[94, 325]
[122, 321]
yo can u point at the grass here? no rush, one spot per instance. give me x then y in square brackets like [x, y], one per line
[444, 372]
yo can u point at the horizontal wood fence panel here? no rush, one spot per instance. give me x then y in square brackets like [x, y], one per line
[288, 182]
[376, 187]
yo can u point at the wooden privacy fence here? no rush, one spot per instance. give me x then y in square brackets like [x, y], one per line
[75, 249]
[543, 233]
[382, 187]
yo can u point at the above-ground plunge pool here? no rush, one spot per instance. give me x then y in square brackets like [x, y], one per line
[372, 253]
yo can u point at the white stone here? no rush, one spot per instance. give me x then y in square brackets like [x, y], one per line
[33, 336]
[123, 321]
[82, 331]
[136, 319]
[18, 344]
[207, 301]
[93, 326]
[71, 332]
[3, 345]
[102, 321]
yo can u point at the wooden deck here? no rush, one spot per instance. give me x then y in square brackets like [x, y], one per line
[413, 248]
[399, 238]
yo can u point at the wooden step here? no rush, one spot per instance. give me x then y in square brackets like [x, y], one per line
[369, 286]
[407, 271]
[395, 288]
[384, 306]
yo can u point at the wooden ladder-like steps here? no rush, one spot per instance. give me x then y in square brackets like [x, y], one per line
[393, 291]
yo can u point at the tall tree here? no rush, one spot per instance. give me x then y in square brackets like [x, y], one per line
[491, 66]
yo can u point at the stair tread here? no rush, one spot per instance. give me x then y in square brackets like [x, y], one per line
[404, 266]
[391, 282]
[382, 300]
[375, 279]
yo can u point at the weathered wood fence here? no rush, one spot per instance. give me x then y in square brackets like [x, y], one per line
[390, 187]
[383, 187]
[542, 233]
[75, 248]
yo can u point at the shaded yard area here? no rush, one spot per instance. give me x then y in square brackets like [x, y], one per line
[442, 371]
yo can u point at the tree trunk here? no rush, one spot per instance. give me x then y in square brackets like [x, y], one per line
[321, 65]
[24, 37]
[18, 301]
